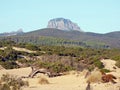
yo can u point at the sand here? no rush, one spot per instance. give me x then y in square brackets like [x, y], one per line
[71, 81]
[23, 49]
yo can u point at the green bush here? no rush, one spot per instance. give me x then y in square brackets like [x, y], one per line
[59, 67]
[91, 67]
[9, 64]
[117, 58]
[99, 64]
[32, 47]
[105, 70]
[54, 67]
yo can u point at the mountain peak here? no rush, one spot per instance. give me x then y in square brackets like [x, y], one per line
[18, 32]
[63, 24]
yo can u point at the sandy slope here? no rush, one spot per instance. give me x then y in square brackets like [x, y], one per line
[68, 82]
[23, 49]
[19, 49]
[72, 81]
[109, 64]
[17, 72]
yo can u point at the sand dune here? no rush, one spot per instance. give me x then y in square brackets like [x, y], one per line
[71, 81]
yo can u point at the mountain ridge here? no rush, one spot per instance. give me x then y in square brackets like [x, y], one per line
[61, 31]
[88, 39]
[18, 32]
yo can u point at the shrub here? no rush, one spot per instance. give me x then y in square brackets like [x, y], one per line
[56, 67]
[118, 63]
[99, 64]
[5, 87]
[9, 64]
[59, 67]
[91, 67]
[94, 77]
[43, 80]
[117, 58]
[31, 47]
[12, 82]
[105, 70]
[10, 54]
[0, 81]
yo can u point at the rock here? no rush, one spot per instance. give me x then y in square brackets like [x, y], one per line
[63, 24]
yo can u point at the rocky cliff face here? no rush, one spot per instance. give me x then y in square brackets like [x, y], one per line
[63, 24]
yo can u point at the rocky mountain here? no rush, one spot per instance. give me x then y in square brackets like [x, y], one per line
[63, 24]
[18, 32]
[62, 31]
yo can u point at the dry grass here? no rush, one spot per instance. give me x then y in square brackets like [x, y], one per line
[95, 77]
[0, 81]
[43, 80]
[83, 73]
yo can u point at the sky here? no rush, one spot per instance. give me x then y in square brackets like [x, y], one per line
[99, 16]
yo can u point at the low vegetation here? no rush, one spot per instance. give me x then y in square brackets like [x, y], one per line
[95, 77]
[55, 58]
[105, 70]
[43, 80]
[118, 63]
[9, 82]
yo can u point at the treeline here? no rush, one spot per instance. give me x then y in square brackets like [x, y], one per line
[52, 41]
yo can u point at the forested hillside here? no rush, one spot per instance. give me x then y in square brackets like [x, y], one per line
[50, 36]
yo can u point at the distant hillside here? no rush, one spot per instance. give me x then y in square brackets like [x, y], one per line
[110, 39]
[64, 32]
[18, 32]
[114, 34]
[49, 36]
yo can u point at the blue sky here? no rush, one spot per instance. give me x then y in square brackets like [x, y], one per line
[99, 16]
